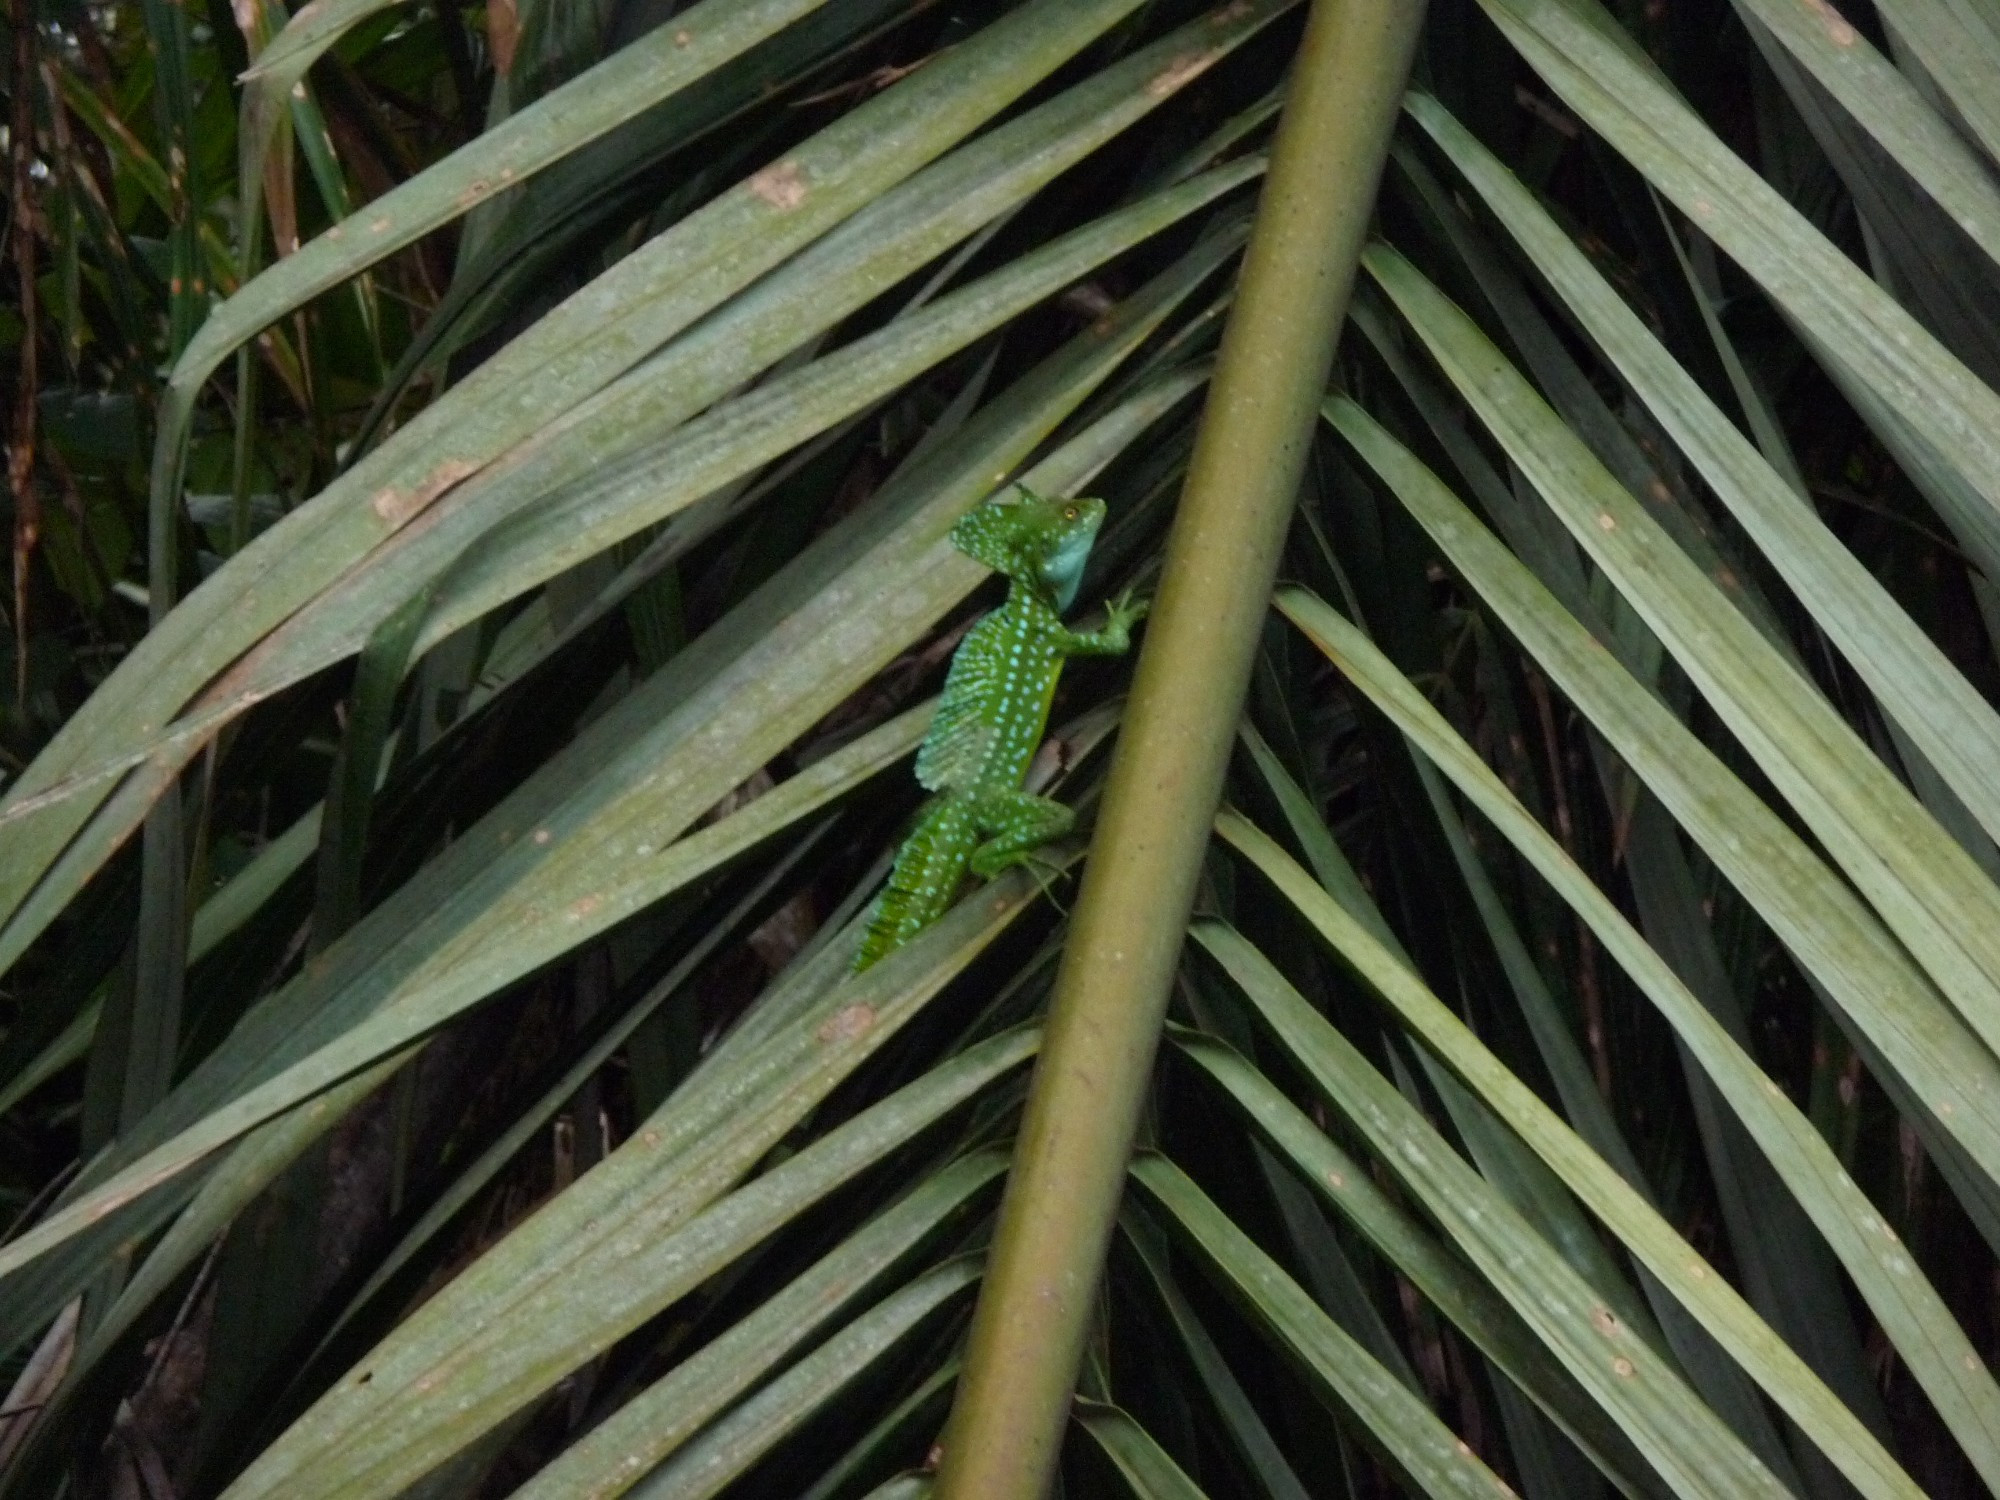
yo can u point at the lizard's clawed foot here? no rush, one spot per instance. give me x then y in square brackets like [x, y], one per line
[1126, 611]
[1046, 873]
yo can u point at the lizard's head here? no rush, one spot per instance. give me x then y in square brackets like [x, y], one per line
[1040, 542]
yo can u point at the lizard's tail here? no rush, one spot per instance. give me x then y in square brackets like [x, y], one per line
[928, 871]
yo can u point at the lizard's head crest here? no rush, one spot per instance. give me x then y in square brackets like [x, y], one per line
[1033, 540]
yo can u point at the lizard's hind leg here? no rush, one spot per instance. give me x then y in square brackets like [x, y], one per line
[929, 869]
[1019, 823]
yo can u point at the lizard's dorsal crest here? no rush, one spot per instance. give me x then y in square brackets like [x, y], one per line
[1040, 542]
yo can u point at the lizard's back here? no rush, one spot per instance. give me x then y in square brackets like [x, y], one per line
[996, 700]
[988, 722]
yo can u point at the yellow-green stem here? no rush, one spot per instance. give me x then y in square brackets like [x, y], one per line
[1006, 1424]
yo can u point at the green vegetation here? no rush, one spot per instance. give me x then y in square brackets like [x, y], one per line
[479, 489]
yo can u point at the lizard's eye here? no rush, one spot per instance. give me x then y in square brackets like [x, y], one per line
[1069, 512]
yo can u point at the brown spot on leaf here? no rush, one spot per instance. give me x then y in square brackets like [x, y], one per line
[1605, 1319]
[1180, 72]
[847, 1023]
[1836, 26]
[782, 185]
[398, 506]
[1622, 1367]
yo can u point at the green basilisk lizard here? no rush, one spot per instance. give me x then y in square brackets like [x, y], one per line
[994, 708]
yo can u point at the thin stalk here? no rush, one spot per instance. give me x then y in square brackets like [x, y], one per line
[21, 452]
[1006, 1425]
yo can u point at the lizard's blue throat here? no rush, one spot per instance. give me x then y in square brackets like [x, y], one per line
[1062, 571]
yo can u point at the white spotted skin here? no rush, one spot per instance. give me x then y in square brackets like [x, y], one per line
[929, 868]
[992, 715]
[1019, 650]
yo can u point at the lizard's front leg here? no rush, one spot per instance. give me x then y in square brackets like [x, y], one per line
[1115, 639]
[1020, 823]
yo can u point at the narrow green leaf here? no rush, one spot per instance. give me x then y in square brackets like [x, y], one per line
[722, 1453]
[1325, 1270]
[1514, 1171]
[1245, 1426]
[224, 1192]
[1815, 914]
[655, 1423]
[1547, 359]
[1786, 1268]
[1733, 1323]
[1455, 1288]
[1146, 1467]
[1887, 105]
[257, 1160]
[1583, 54]
[1927, 888]
[357, 767]
[1895, 1288]
[611, 1252]
[509, 244]
[1534, 1192]
[309, 33]
[142, 1029]
[893, 1433]
[631, 885]
[1956, 729]
[654, 67]
[623, 494]
[1421, 1446]
[187, 287]
[1959, 47]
